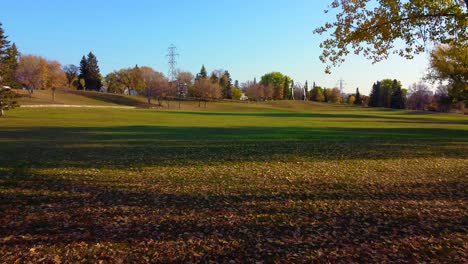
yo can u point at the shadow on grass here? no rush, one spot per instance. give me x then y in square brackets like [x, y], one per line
[56, 212]
[152, 145]
[397, 116]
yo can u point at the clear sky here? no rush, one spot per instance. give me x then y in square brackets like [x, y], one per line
[246, 37]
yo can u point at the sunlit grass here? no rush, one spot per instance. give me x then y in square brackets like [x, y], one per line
[275, 181]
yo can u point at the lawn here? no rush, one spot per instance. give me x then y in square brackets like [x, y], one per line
[272, 182]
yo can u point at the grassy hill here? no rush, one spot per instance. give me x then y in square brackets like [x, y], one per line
[273, 181]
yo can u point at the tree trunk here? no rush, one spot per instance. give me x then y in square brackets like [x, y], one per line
[1, 112]
[53, 95]
[149, 100]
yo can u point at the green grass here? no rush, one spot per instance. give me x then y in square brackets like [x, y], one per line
[276, 181]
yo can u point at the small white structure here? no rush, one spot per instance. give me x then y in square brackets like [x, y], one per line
[244, 97]
[103, 89]
[130, 91]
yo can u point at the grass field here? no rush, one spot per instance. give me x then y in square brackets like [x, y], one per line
[271, 182]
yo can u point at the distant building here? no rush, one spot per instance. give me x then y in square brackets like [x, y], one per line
[244, 97]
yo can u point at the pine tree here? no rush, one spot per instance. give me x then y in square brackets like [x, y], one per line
[83, 73]
[11, 64]
[358, 100]
[93, 80]
[236, 84]
[255, 80]
[375, 96]
[7, 100]
[226, 85]
[397, 100]
[4, 47]
[306, 91]
[203, 74]
[287, 90]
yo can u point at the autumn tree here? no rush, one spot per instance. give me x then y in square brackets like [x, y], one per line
[278, 81]
[351, 99]
[449, 64]
[71, 72]
[317, 94]
[56, 77]
[334, 95]
[372, 28]
[37, 72]
[206, 90]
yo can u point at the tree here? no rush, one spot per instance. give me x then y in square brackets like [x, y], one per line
[83, 73]
[203, 73]
[9, 56]
[113, 83]
[278, 81]
[357, 97]
[386, 93]
[71, 72]
[375, 95]
[371, 29]
[306, 91]
[397, 100]
[28, 72]
[317, 94]
[449, 63]
[89, 71]
[37, 72]
[56, 77]
[236, 93]
[226, 85]
[7, 100]
[205, 90]
[420, 97]
[334, 95]
[351, 99]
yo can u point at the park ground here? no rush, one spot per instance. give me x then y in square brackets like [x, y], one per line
[243, 182]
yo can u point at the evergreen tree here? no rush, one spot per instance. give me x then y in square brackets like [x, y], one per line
[255, 80]
[7, 100]
[226, 85]
[375, 96]
[83, 73]
[358, 100]
[398, 100]
[10, 66]
[203, 74]
[8, 60]
[214, 78]
[306, 91]
[287, 89]
[94, 78]
[236, 84]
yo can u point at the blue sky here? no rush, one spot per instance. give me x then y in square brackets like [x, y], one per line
[248, 38]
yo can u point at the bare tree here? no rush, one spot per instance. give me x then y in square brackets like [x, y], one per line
[71, 72]
[420, 97]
